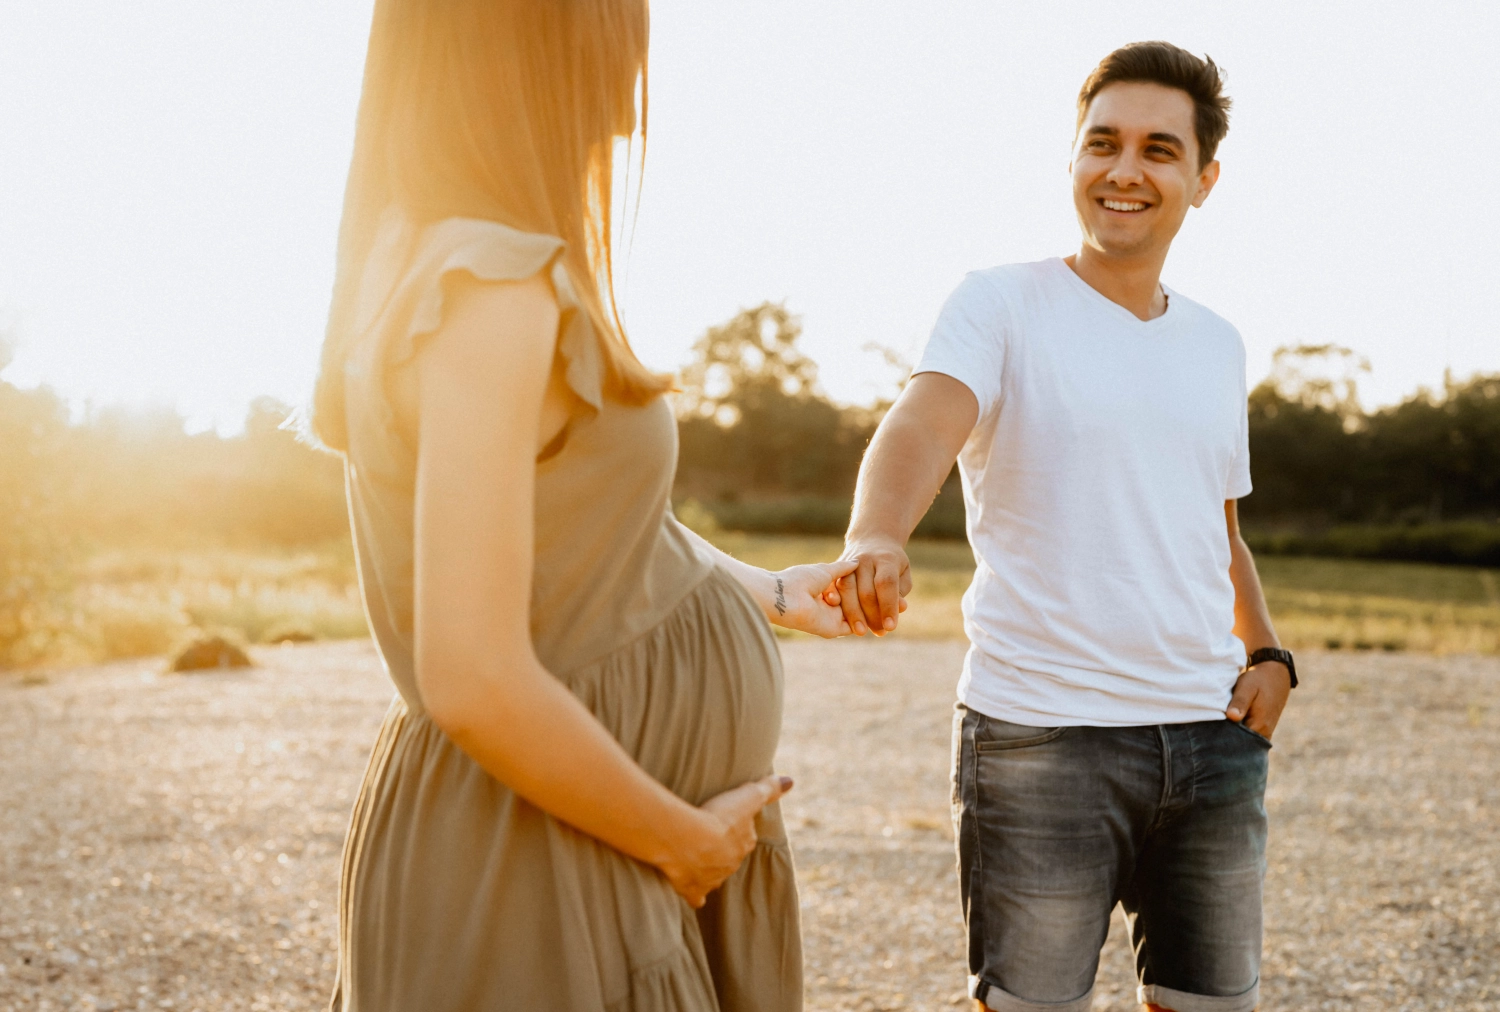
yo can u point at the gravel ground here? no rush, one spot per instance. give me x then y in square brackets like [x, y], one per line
[172, 842]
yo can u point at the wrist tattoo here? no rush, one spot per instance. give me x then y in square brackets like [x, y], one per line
[780, 597]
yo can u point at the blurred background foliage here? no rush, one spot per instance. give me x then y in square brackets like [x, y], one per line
[764, 451]
[121, 533]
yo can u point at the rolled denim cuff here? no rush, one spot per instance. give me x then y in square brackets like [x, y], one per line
[1186, 1001]
[999, 1000]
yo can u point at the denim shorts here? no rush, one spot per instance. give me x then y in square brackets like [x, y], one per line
[1057, 825]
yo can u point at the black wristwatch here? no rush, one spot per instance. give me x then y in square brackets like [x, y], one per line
[1274, 654]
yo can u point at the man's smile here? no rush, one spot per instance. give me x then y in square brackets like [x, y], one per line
[1130, 206]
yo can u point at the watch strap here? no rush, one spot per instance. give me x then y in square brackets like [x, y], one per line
[1274, 654]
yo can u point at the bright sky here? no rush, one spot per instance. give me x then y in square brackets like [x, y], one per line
[171, 173]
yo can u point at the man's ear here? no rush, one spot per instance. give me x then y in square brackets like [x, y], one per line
[1206, 180]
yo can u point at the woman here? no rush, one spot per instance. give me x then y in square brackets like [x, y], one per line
[589, 695]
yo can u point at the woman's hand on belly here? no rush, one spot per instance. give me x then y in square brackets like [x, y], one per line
[728, 836]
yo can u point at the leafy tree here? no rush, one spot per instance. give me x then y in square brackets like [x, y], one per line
[1436, 456]
[1304, 418]
[1317, 457]
[752, 421]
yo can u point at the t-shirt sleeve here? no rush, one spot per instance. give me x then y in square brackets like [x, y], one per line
[969, 340]
[1239, 484]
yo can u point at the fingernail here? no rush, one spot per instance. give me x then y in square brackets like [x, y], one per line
[859, 627]
[786, 783]
[890, 623]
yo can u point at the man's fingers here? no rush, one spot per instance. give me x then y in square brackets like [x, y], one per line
[849, 602]
[869, 599]
[1240, 702]
[888, 597]
[836, 572]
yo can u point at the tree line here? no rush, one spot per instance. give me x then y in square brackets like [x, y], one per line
[762, 449]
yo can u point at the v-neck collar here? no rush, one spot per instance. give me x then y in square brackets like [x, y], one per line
[1155, 324]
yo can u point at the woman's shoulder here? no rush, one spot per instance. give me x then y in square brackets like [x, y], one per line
[493, 319]
[488, 291]
[464, 268]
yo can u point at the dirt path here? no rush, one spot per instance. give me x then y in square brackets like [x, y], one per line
[172, 842]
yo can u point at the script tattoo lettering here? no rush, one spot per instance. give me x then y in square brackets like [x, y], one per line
[780, 597]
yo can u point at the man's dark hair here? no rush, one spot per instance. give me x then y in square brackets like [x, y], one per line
[1165, 64]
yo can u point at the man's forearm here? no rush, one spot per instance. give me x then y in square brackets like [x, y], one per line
[1252, 619]
[910, 456]
[898, 480]
[1261, 691]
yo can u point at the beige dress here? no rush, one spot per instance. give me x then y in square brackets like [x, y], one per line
[456, 893]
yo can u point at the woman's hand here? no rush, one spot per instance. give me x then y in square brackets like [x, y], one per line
[800, 600]
[727, 839]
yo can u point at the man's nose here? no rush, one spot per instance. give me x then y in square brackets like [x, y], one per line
[1126, 170]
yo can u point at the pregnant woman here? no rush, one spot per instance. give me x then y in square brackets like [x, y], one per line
[571, 803]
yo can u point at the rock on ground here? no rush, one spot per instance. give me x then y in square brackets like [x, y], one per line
[172, 842]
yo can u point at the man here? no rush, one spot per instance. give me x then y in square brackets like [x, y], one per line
[1110, 743]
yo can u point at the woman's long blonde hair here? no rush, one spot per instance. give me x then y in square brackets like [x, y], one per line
[505, 110]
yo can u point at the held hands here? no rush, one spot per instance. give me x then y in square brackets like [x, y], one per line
[727, 838]
[799, 598]
[1259, 697]
[873, 593]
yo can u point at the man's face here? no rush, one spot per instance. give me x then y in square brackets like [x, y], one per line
[1135, 168]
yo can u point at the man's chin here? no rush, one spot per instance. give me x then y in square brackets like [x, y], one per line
[1124, 246]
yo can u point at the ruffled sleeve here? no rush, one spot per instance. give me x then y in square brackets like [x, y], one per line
[485, 249]
[402, 303]
[578, 344]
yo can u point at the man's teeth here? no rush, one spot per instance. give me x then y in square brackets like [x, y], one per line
[1124, 205]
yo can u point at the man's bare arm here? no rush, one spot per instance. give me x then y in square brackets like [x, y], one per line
[908, 460]
[1261, 692]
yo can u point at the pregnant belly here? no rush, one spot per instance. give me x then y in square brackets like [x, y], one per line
[697, 700]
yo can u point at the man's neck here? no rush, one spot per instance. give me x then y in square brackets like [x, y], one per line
[1132, 282]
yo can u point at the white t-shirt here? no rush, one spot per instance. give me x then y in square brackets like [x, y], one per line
[1095, 482]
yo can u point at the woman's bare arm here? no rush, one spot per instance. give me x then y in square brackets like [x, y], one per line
[482, 382]
[792, 598]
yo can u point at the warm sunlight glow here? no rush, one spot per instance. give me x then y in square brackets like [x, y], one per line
[173, 171]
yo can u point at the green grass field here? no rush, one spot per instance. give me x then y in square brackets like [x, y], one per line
[144, 603]
[1336, 604]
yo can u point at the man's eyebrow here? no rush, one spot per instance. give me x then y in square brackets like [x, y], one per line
[1160, 137]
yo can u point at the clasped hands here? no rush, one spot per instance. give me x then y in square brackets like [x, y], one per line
[863, 591]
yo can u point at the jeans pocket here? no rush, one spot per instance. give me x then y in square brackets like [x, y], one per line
[993, 735]
[1259, 738]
